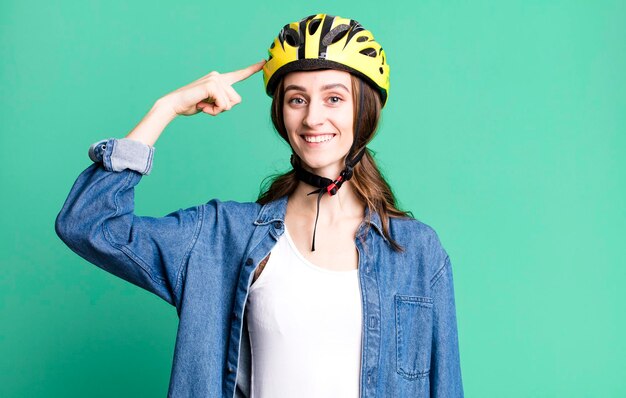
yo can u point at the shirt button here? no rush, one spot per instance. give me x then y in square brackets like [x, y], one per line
[234, 315]
[249, 261]
[277, 224]
[370, 376]
[230, 369]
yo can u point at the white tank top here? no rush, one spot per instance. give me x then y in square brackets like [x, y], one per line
[305, 327]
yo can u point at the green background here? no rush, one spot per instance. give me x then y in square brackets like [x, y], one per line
[505, 131]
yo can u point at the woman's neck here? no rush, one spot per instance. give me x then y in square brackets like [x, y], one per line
[332, 209]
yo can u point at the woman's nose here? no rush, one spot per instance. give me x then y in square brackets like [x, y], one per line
[314, 115]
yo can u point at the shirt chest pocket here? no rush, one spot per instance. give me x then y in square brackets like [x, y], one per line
[414, 330]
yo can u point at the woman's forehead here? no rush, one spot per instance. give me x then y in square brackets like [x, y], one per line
[318, 79]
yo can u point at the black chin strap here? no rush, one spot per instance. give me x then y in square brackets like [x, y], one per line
[326, 185]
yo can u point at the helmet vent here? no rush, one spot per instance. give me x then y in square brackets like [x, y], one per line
[370, 52]
[335, 35]
[361, 39]
[313, 25]
[292, 37]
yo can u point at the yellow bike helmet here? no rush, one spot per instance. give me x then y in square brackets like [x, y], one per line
[324, 41]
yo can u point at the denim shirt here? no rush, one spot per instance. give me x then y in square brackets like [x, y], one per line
[202, 260]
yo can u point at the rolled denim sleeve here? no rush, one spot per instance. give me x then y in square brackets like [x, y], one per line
[445, 372]
[98, 222]
[122, 154]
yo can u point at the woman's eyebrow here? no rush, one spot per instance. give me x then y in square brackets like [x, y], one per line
[294, 87]
[335, 85]
[324, 88]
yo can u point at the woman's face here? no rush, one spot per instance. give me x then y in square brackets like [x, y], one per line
[318, 115]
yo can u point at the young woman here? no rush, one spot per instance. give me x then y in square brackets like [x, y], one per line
[320, 288]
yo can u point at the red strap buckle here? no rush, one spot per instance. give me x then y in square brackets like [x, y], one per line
[332, 187]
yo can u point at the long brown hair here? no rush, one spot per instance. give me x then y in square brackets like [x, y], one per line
[368, 183]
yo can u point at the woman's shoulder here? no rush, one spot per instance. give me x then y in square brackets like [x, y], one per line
[248, 211]
[232, 206]
[416, 236]
[412, 228]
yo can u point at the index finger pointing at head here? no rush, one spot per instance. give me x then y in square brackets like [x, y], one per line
[241, 74]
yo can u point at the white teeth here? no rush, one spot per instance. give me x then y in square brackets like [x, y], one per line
[318, 138]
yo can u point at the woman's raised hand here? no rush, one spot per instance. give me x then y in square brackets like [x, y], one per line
[210, 94]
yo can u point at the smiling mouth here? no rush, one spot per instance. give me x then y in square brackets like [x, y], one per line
[317, 139]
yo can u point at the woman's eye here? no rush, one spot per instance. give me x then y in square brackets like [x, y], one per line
[335, 100]
[297, 101]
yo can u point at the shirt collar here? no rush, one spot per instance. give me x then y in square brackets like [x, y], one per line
[272, 211]
[275, 211]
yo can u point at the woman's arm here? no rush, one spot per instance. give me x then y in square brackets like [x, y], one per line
[445, 371]
[210, 94]
[152, 125]
[97, 220]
